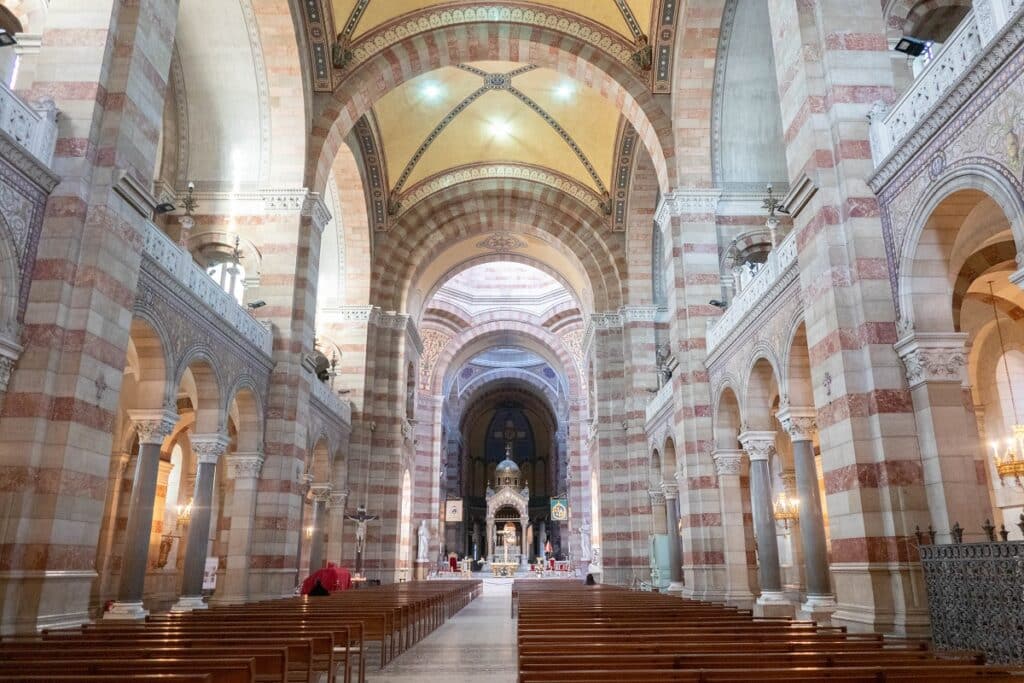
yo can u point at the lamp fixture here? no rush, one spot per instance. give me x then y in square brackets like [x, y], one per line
[164, 207]
[787, 508]
[259, 303]
[1010, 463]
[564, 91]
[912, 47]
[185, 513]
[500, 129]
[7, 39]
[431, 91]
[309, 532]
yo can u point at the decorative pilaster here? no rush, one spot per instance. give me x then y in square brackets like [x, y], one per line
[729, 467]
[321, 494]
[244, 471]
[671, 495]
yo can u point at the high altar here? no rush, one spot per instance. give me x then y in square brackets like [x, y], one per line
[513, 552]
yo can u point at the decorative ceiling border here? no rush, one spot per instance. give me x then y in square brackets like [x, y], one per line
[625, 145]
[664, 50]
[262, 87]
[401, 28]
[630, 19]
[371, 159]
[718, 88]
[470, 172]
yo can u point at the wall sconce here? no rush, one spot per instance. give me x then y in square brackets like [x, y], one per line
[787, 509]
[309, 532]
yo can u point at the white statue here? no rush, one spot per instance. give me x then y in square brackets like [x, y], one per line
[585, 542]
[423, 550]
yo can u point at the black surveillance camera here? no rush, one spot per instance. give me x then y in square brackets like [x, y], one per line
[257, 304]
[164, 207]
[717, 303]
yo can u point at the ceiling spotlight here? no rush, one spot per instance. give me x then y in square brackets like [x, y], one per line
[6, 39]
[431, 91]
[500, 129]
[564, 91]
[260, 303]
[164, 207]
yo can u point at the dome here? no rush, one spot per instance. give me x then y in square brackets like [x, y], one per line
[507, 473]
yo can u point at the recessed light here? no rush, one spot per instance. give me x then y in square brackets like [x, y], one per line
[431, 91]
[564, 91]
[500, 129]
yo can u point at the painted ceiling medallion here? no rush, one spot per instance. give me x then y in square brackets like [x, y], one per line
[501, 242]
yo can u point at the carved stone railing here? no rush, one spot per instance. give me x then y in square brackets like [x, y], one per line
[323, 393]
[660, 400]
[179, 264]
[976, 597]
[34, 127]
[780, 260]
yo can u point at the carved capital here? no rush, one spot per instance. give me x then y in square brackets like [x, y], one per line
[209, 447]
[244, 465]
[153, 426]
[728, 462]
[933, 357]
[759, 445]
[657, 497]
[321, 492]
[339, 499]
[799, 423]
[670, 490]
[6, 369]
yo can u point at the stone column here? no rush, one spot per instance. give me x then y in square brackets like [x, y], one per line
[208, 448]
[152, 426]
[543, 537]
[728, 465]
[336, 525]
[800, 424]
[759, 445]
[951, 457]
[321, 497]
[671, 491]
[524, 522]
[490, 539]
[244, 471]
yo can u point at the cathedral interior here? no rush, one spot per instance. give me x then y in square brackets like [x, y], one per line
[716, 301]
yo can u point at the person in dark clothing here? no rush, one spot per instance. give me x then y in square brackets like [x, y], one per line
[318, 589]
[590, 580]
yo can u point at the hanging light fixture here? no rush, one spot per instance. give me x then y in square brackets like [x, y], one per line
[1010, 462]
[787, 508]
[185, 513]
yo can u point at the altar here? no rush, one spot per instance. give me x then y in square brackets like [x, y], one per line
[504, 569]
[507, 508]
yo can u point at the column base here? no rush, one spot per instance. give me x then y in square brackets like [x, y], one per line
[127, 611]
[675, 588]
[818, 608]
[773, 604]
[421, 569]
[188, 603]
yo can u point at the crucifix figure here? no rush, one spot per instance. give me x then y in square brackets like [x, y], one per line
[361, 518]
[510, 434]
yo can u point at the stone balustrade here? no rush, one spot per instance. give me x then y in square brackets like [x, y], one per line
[178, 263]
[323, 393]
[660, 400]
[891, 126]
[34, 127]
[780, 260]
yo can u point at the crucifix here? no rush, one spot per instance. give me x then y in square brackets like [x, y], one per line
[361, 518]
[510, 434]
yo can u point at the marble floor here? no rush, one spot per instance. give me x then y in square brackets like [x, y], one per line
[476, 644]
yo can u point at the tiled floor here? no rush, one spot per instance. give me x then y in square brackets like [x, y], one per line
[477, 644]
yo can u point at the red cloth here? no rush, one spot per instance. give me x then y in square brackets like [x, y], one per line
[331, 577]
[453, 563]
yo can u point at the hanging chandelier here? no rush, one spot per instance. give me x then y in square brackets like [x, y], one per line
[1010, 461]
[787, 508]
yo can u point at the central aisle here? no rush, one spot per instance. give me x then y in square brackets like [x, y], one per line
[477, 644]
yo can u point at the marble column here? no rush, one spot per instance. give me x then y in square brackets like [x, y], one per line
[490, 539]
[671, 491]
[760, 445]
[336, 526]
[543, 537]
[152, 427]
[800, 424]
[947, 433]
[728, 466]
[244, 472]
[321, 497]
[524, 522]
[207, 448]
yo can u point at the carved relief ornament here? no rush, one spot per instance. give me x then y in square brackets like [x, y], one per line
[933, 357]
[759, 445]
[799, 423]
[728, 462]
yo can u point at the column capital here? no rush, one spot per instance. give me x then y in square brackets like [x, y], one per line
[339, 499]
[687, 201]
[759, 445]
[728, 462]
[933, 357]
[657, 497]
[321, 492]
[244, 465]
[209, 447]
[670, 490]
[153, 426]
[799, 422]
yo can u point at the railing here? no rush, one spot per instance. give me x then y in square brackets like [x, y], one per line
[32, 127]
[179, 264]
[655, 405]
[779, 261]
[976, 597]
[323, 393]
